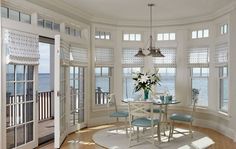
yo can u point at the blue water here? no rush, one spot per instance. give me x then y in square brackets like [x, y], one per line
[44, 82]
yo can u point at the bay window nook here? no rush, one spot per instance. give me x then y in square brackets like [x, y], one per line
[67, 73]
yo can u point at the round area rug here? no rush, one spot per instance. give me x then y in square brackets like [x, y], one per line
[112, 138]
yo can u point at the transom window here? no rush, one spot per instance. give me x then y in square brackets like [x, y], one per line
[103, 77]
[48, 24]
[202, 33]
[224, 29]
[132, 37]
[73, 31]
[165, 36]
[102, 35]
[15, 15]
[224, 89]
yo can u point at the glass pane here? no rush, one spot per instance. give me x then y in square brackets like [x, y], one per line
[98, 71]
[40, 22]
[159, 36]
[97, 35]
[166, 36]
[29, 132]
[206, 33]
[76, 72]
[10, 138]
[225, 28]
[14, 15]
[30, 73]
[194, 34]
[108, 36]
[73, 31]
[126, 37]
[205, 71]
[225, 71]
[222, 29]
[29, 112]
[200, 34]
[202, 85]
[48, 24]
[132, 37]
[103, 84]
[77, 33]
[20, 135]
[67, 29]
[196, 72]
[4, 12]
[138, 37]
[172, 36]
[20, 76]
[10, 93]
[29, 91]
[56, 27]
[20, 91]
[102, 35]
[128, 89]
[224, 95]
[10, 73]
[20, 113]
[25, 18]
[105, 71]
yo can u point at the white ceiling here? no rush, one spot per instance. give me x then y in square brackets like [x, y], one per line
[135, 10]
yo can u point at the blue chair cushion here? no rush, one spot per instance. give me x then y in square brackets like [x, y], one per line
[156, 110]
[181, 117]
[144, 122]
[119, 114]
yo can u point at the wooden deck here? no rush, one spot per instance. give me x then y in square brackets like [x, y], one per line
[46, 131]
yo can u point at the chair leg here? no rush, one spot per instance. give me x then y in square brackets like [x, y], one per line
[170, 130]
[190, 129]
[137, 134]
[159, 133]
[126, 126]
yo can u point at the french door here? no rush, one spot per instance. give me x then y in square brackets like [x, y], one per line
[77, 98]
[21, 113]
[61, 72]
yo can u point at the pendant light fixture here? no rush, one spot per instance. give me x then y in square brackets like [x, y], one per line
[154, 52]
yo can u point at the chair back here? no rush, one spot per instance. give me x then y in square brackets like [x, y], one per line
[111, 101]
[139, 109]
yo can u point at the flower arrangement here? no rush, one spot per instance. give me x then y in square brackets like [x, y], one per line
[195, 93]
[146, 80]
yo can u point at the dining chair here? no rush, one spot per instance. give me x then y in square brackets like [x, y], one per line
[186, 118]
[140, 117]
[117, 113]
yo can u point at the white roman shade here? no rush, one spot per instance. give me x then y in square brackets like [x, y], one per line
[21, 47]
[221, 55]
[104, 57]
[78, 56]
[198, 57]
[129, 60]
[64, 53]
[168, 61]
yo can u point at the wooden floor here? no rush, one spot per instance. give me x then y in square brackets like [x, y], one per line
[85, 138]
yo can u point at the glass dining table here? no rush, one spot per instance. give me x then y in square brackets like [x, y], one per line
[163, 106]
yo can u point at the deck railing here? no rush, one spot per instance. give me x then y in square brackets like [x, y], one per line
[45, 105]
[101, 97]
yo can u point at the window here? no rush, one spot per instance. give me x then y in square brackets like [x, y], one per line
[224, 95]
[167, 76]
[198, 61]
[203, 33]
[103, 77]
[131, 37]
[48, 24]
[128, 83]
[25, 18]
[165, 36]
[76, 95]
[199, 80]
[4, 12]
[14, 15]
[102, 35]
[224, 29]
[73, 31]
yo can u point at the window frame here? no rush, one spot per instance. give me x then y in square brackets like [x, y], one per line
[223, 77]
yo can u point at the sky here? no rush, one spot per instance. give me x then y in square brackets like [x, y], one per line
[44, 61]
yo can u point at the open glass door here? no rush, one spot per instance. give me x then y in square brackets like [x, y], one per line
[22, 55]
[61, 73]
